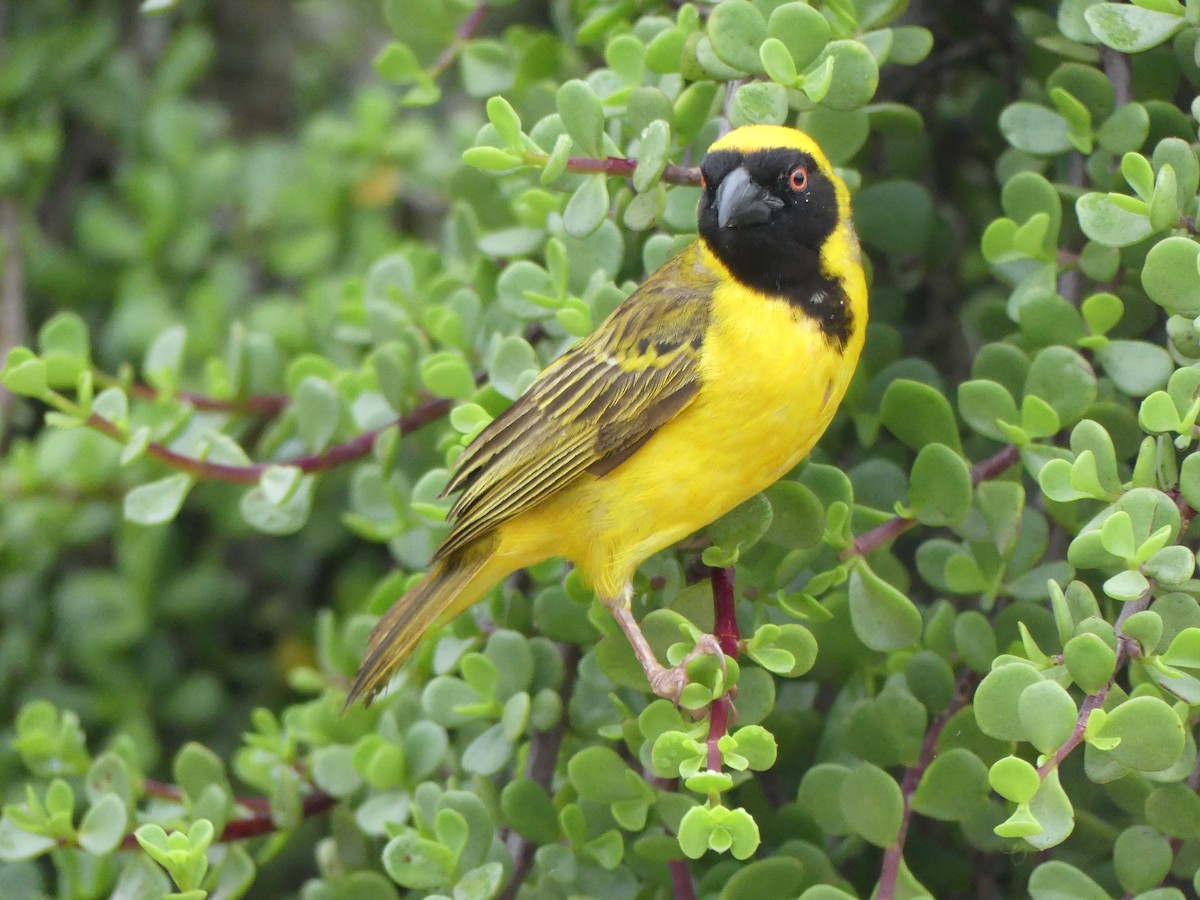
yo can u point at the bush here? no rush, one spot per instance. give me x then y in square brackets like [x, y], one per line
[256, 297]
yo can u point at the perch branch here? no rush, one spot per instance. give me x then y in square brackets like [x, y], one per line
[618, 166]
[872, 540]
[894, 855]
[544, 747]
[340, 454]
[462, 35]
[254, 404]
[1125, 649]
[258, 824]
[12, 286]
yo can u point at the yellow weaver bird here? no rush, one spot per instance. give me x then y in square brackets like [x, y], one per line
[711, 381]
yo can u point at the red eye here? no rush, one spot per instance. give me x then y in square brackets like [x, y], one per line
[798, 180]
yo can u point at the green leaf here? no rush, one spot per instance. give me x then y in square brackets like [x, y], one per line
[1090, 661]
[855, 74]
[1170, 275]
[801, 29]
[1062, 378]
[1174, 809]
[742, 527]
[417, 863]
[983, 404]
[1151, 735]
[997, 701]
[1047, 715]
[777, 62]
[954, 788]
[652, 155]
[1137, 367]
[737, 29]
[1142, 858]
[318, 408]
[279, 504]
[397, 63]
[103, 825]
[157, 502]
[1056, 880]
[759, 103]
[587, 208]
[872, 804]
[939, 487]
[918, 415]
[582, 114]
[447, 375]
[1131, 29]
[24, 374]
[1035, 129]
[1112, 219]
[481, 883]
[1014, 779]
[16, 844]
[491, 159]
[883, 618]
[895, 216]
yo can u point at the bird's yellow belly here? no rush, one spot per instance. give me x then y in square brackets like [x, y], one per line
[757, 414]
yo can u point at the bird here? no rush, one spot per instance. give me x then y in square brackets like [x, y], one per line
[711, 381]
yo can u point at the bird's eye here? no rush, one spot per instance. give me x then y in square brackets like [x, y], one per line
[798, 180]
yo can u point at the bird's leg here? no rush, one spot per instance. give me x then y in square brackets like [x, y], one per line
[665, 682]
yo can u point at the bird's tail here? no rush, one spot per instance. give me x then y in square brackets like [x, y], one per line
[451, 585]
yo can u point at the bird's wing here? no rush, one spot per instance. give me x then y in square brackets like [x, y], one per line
[593, 407]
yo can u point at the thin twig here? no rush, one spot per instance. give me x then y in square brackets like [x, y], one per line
[1125, 648]
[1116, 67]
[462, 35]
[13, 322]
[682, 887]
[258, 824]
[872, 540]
[254, 404]
[729, 636]
[894, 855]
[619, 166]
[316, 462]
[544, 747]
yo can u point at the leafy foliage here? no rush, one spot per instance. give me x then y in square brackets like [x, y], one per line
[247, 333]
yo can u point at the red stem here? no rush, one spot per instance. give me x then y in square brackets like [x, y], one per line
[258, 824]
[872, 540]
[1125, 646]
[462, 34]
[729, 636]
[894, 855]
[681, 880]
[317, 462]
[256, 404]
[725, 613]
[623, 167]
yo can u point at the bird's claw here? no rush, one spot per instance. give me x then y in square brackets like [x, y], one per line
[669, 683]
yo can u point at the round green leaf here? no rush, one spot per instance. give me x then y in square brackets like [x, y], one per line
[883, 618]
[872, 804]
[1142, 858]
[737, 29]
[1151, 735]
[939, 488]
[1131, 29]
[997, 701]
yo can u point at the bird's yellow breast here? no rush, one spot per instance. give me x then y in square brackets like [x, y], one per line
[770, 383]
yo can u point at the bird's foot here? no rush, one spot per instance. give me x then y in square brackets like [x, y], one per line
[670, 682]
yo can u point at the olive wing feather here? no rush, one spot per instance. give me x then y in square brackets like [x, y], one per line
[593, 407]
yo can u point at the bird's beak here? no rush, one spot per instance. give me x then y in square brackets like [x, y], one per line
[740, 201]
